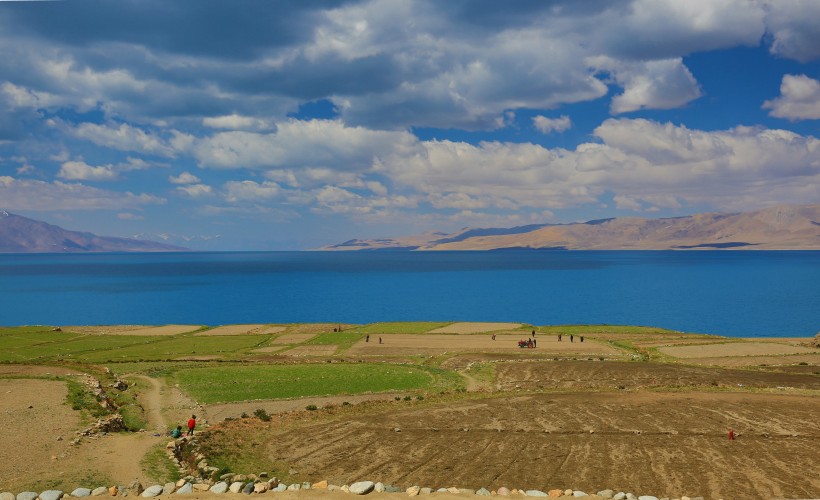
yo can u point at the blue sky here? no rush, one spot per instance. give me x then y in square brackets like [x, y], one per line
[260, 125]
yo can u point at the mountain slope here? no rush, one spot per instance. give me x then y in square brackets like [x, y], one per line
[23, 235]
[776, 228]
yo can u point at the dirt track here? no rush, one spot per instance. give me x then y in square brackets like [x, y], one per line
[663, 444]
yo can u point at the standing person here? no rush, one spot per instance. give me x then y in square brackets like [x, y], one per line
[380, 340]
[367, 339]
[582, 338]
[731, 434]
[533, 334]
[559, 337]
[571, 337]
[534, 343]
[191, 425]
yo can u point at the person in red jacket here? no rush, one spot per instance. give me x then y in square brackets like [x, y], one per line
[191, 425]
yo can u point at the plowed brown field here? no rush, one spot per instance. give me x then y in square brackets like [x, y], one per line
[665, 444]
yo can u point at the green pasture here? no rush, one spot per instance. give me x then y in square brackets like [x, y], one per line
[243, 383]
[343, 340]
[592, 329]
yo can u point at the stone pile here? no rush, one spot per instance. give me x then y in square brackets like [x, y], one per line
[259, 484]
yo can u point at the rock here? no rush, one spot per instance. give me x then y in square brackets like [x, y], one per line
[465, 491]
[273, 483]
[263, 475]
[362, 487]
[306, 485]
[412, 491]
[294, 487]
[26, 495]
[482, 492]
[606, 493]
[6, 496]
[260, 487]
[135, 488]
[568, 493]
[333, 487]
[555, 493]
[168, 488]
[535, 493]
[684, 497]
[236, 486]
[248, 489]
[81, 492]
[452, 490]
[392, 489]
[219, 488]
[345, 488]
[202, 486]
[619, 496]
[51, 495]
[280, 487]
[185, 489]
[181, 482]
[379, 487]
[102, 490]
[152, 491]
[579, 493]
[425, 491]
[647, 497]
[630, 496]
[321, 485]
[113, 491]
[503, 491]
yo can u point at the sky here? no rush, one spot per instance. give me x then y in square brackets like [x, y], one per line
[288, 125]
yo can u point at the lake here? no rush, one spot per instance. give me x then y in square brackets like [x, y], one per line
[733, 293]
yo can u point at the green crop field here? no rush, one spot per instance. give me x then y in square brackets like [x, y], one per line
[242, 383]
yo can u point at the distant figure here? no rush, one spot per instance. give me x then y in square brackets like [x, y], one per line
[571, 337]
[731, 434]
[191, 425]
[582, 338]
[533, 333]
[559, 337]
[380, 340]
[176, 433]
[534, 343]
[367, 339]
[334, 330]
[493, 336]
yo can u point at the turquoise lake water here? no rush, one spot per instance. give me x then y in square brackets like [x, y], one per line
[742, 293]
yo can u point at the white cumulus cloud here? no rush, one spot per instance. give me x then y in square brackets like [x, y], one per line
[81, 171]
[546, 125]
[799, 99]
[184, 178]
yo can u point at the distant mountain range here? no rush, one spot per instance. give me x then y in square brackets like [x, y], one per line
[784, 227]
[23, 235]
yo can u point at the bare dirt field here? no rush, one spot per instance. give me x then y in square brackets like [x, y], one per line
[735, 349]
[741, 361]
[664, 444]
[466, 328]
[316, 328]
[406, 344]
[138, 330]
[219, 412]
[35, 370]
[242, 330]
[311, 350]
[292, 338]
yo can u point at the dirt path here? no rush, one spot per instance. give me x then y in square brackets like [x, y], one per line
[151, 401]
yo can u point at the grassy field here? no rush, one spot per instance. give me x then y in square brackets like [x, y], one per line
[243, 383]
[400, 327]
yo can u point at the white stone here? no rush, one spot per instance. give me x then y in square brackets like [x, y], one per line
[219, 488]
[535, 493]
[647, 497]
[152, 491]
[102, 490]
[280, 487]
[483, 492]
[26, 495]
[236, 486]
[606, 493]
[412, 491]
[169, 488]
[579, 493]
[81, 492]
[51, 495]
[185, 489]
[362, 487]
[294, 487]
[379, 487]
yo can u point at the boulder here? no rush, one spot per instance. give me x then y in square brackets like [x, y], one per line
[152, 491]
[113, 491]
[260, 487]
[321, 485]
[619, 496]
[568, 493]
[185, 489]
[482, 492]
[452, 490]
[425, 491]
[6, 496]
[294, 487]
[579, 493]
[306, 485]
[220, 488]
[26, 495]
[606, 493]
[362, 487]
[503, 491]
[630, 496]
[169, 488]
[465, 491]
[51, 495]
[412, 491]
[535, 493]
[135, 488]
[392, 489]
[236, 486]
[81, 492]
[647, 497]
[202, 486]
[378, 487]
[102, 490]
[280, 487]
[555, 493]
[248, 489]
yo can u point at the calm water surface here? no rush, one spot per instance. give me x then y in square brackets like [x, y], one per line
[751, 293]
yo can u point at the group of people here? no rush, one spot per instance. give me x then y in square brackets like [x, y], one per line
[571, 338]
[527, 343]
[176, 433]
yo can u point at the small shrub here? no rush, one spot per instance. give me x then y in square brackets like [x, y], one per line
[397, 398]
[261, 415]
[244, 415]
[408, 398]
[311, 407]
[345, 403]
[803, 363]
[419, 397]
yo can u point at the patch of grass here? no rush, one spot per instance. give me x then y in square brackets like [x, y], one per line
[482, 372]
[591, 329]
[401, 327]
[174, 347]
[158, 467]
[242, 383]
[81, 398]
[343, 340]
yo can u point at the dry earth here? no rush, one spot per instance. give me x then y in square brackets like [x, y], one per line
[465, 328]
[242, 330]
[138, 330]
[735, 349]
[292, 338]
[406, 344]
